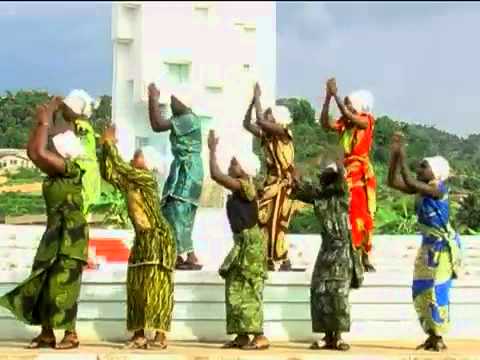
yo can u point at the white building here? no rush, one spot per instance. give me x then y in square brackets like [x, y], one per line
[216, 49]
[14, 159]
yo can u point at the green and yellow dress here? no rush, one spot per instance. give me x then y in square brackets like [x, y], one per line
[245, 267]
[152, 257]
[49, 296]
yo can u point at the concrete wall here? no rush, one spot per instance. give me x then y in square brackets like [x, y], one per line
[382, 309]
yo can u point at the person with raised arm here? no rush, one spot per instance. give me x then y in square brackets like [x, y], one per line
[183, 187]
[275, 206]
[439, 259]
[152, 258]
[49, 296]
[245, 267]
[355, 129]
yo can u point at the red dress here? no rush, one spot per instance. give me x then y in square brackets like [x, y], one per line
[360, 176]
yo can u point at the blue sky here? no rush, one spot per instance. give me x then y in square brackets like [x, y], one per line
[419, 59]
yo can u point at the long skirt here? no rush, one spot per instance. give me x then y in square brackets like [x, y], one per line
[244, 271]
[49, 297]
[149, 298]
[181, 216]
[432, 281]
[329, 306]
[275, 212]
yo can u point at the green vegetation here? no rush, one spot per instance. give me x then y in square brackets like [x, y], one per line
[24, 176]
[395, 213]
[17, 204]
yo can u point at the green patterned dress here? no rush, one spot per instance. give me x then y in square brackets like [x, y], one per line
[152, 257]
[245, 267]
[338, 267]
[183, 187]
[49, 296]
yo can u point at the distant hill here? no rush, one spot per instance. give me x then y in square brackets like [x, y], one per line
[395, 211]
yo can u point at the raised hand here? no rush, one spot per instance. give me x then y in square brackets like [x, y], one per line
[153, 92]
[257, 92]
[332, 87]
[397, 142]
[212, 141]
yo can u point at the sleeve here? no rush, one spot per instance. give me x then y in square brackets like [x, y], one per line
[248, 190]
[121, 174]
[185, 124]
[306, 192]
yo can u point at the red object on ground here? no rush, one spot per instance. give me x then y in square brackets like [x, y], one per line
[113, 250]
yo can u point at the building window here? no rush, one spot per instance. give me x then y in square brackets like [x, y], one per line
[179, 73]
[141, 141]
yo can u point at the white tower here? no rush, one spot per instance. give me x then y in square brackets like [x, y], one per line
[217, 49]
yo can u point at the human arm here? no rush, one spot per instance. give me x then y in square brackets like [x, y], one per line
[47, 161]
[157, 121]
[247, 121]
[266, 126]
[356, 120]
[115, 170]
[419, 187]
[215, 173]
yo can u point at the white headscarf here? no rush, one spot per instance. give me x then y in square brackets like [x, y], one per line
[281, 114]
[153, 159]
[249, 162]
[68, 145]
[439, 166]
[332, 166]
[80, 102]
[362, 100]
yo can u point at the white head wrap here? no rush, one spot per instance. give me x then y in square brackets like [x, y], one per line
[184, 95]
[80, 102]
[362, 100]
[332, 166]
[68, 145]
[281, 114]
[249, 162]
[153, 159]
[440, 167]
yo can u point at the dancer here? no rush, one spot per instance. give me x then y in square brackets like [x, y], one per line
[338, 267]
[182, 190]
[152, 257]
[355, 128]
[275, 207]
[244, 269]
[438, 259]
[49, 296]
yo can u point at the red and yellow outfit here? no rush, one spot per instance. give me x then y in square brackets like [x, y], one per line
[360, 176]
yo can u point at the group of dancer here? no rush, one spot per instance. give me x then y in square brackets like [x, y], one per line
[343, 196]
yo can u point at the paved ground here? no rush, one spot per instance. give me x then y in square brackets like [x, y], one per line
[458, 349]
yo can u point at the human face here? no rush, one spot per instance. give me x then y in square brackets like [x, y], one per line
[424, 172]
[235, 170]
